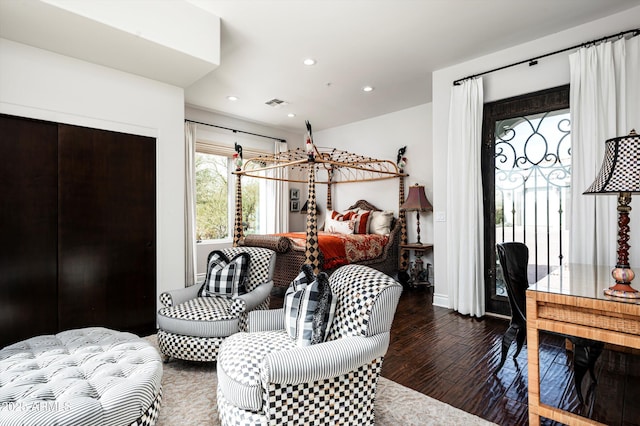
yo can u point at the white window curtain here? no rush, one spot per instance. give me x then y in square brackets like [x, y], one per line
[465, 235]
[277, 203]
[605, 103]
[190, 204]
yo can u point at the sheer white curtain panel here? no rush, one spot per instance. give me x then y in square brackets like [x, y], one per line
[190, 253]
[605, 103]
[465, 228]
[277, 200]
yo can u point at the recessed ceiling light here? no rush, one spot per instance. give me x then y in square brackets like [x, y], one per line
[367, 89]
[291, 115]
[309, 61]
[232, 98]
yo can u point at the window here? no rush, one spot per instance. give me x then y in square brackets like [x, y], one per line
[532, 184]
[215, 195]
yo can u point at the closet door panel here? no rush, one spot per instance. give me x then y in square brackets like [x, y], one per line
[28, 229]
[107, 223]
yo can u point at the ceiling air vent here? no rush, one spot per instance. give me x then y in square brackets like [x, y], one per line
[276, 103]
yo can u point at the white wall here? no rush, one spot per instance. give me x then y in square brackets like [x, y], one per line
[550, 72]
[381, 137]
[39, 84]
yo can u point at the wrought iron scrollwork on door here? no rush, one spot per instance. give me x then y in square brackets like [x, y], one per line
[533, 165]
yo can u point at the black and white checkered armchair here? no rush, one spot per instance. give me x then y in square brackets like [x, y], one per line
[192, 328]
[264, 378]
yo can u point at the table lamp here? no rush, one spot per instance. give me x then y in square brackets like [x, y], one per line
[417, 201]
[620, 174]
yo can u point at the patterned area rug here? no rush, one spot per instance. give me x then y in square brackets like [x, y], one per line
[189, 398]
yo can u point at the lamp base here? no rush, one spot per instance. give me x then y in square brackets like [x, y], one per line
[623, 276]
[627, 292]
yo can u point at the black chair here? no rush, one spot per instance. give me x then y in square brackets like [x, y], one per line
[514, 259]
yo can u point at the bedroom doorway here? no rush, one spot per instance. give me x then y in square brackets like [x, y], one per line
[526, 168]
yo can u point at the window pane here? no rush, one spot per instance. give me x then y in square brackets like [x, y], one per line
[250, 205]
[252, 190]
[215, 195]
[532, 184]
[212, 195]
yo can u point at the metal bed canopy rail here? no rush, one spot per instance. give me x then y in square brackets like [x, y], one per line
[338, 167]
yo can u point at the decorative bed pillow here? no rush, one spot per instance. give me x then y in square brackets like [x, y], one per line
[225, 277]
[360, 219]
[381, 222]
[339, 226]
[309, 307]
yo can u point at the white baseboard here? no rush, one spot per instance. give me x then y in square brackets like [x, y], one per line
[441, 300]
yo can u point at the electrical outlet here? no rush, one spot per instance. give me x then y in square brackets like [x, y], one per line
[440, 216]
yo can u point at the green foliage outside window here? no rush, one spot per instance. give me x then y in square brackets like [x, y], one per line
[212, 199]
[499, 215]
[250, 203]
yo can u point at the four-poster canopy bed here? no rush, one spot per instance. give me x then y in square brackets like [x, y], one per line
[330, 167]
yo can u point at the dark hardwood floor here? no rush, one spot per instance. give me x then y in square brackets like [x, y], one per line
[452, 358]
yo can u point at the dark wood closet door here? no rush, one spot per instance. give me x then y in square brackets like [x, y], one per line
[28, 228]
[107, 222]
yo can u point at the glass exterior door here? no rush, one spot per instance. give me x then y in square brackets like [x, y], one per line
[526, 180]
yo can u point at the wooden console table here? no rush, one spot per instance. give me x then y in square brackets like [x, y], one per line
[571, 301]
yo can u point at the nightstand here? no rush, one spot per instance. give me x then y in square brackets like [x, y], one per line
[419, 275]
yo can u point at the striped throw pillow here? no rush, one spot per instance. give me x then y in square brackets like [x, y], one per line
[360, 219]
[225, 277]
[309, 307]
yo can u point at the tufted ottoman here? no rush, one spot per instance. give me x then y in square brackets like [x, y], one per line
[90, 376]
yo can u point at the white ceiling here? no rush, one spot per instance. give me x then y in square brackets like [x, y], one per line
[392, 45]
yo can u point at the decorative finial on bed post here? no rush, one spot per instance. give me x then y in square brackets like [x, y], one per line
[309, 142]
[401, 160]
[237, 156]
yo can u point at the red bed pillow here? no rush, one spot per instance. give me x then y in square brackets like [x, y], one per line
[360, 219]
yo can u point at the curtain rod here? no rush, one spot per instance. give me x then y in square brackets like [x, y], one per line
[534, 61]
[236, 131]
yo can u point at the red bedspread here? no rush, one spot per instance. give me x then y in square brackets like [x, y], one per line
[341, 249]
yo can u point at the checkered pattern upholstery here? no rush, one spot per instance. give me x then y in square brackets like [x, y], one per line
[260, 268]
[150, 416]
[366, 301]
[190, 348]
[317, 402]
[205, 309]
[193, 328]
[621, 166]
[264, 378]
[166, 300]
[343, 400]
